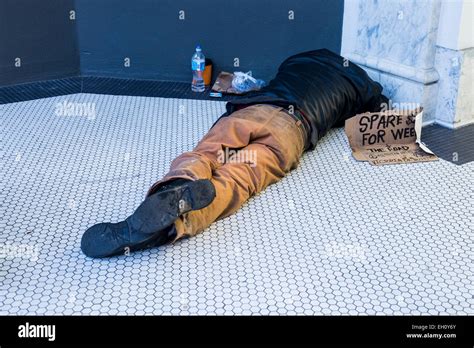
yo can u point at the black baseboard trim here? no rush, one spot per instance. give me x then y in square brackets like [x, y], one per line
[102, 85]
[452, 145]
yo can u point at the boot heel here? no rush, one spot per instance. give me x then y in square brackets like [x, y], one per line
[200, 193]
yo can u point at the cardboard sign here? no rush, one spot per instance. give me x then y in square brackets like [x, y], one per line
[388, 137]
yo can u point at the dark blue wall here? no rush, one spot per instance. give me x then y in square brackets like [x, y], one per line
[160, 45]
[42, 35]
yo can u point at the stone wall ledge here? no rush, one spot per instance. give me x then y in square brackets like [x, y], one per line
[416, 74]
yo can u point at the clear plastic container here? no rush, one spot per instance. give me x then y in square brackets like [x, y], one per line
[198, 64]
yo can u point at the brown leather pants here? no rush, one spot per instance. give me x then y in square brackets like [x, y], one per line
[242, 154]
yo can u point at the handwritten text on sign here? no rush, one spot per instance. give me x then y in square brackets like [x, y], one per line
[386, 137]
[383, 124]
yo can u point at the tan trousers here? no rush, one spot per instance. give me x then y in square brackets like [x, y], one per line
[242, 154]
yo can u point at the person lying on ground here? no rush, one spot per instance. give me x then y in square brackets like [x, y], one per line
[255, 143]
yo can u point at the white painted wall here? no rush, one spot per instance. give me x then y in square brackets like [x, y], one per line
[456, 24]
[465, 101]
[349, 26]
[466, 32]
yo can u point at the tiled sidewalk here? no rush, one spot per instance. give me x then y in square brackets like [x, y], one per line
[335, 237]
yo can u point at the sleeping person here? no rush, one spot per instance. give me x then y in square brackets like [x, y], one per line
[255, 143]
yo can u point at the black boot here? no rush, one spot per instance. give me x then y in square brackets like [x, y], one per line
[152, 224]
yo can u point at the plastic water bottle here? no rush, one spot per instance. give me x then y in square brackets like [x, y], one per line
[198, 64]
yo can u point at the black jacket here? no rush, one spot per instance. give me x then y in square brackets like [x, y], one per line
[323, 86]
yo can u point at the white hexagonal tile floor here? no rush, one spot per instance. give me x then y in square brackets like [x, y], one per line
[334, 237]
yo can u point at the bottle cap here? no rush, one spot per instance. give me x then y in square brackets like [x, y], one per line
[198, 48]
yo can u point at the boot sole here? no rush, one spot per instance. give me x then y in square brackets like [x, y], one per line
[161, 209]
